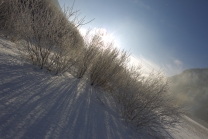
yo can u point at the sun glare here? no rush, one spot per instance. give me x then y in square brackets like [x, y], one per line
[106, 37]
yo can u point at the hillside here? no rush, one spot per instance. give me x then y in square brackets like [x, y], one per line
[36, 104]
[57, 83]
[191, 90]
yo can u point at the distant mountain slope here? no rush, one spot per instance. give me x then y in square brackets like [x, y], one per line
[191, 89]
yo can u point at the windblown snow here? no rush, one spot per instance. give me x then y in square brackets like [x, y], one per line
[35, 104]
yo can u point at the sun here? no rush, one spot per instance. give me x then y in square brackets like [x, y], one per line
[106, 37]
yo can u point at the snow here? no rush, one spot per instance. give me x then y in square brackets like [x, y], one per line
[35, 104]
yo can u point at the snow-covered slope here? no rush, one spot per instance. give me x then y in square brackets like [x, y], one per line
[34, 104]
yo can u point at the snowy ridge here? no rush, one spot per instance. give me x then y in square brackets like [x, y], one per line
[37, 105]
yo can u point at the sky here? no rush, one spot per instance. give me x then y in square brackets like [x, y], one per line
[171, 35]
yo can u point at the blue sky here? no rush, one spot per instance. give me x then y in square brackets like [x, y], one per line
[167, 34]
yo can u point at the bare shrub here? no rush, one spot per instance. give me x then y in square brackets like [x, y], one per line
[127, 80]
[142, 100]
[88, 54]
[144, 103]
[50, 38]
[4, 9]
[107, 66]
[6, 16]
[102, 61]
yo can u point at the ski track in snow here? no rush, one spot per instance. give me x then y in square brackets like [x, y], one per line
[35, 104]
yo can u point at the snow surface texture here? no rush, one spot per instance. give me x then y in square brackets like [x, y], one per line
[34, 104]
